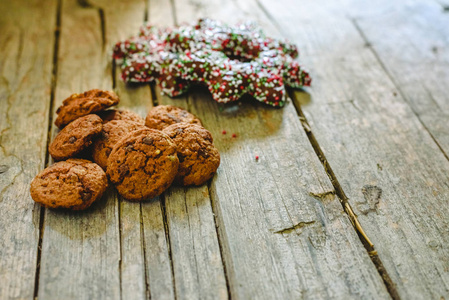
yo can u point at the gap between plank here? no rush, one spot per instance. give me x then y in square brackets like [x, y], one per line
[103, 28]
[173, 9]
[54, 72]
[372, 253]
[344, 200]
[87, 4]
[163, 209]
[145, 15]
[114, 73]
[153, 94]
[390, 76]
[119, 217]
[167, 240]
[219, 239]
[144, 251]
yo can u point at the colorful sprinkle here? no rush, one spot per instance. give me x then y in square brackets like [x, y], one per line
[230, 61]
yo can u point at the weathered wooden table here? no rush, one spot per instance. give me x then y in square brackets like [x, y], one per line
[369, 138]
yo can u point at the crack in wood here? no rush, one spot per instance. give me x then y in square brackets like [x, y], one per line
[322, 196]
[294, 227]
[3, 168]
[369, 246]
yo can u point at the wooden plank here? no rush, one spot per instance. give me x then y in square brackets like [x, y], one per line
[81, 250]
[121, 20]
[157, 258]
[415, 54]
[27, 39]
[387, 163]
[282, 230]
[197, 265]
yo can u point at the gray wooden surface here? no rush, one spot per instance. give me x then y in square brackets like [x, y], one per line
[27, 42]
[371, 134]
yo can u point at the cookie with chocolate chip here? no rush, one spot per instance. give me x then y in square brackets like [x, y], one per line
[75, 137]
[115, 114]
[113, 131]
[78, 105]
[162, 116]
[198, 157]
[143, 164]
[73, 184]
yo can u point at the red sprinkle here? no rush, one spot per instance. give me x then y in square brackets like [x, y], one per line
[223, 132]
[234, 135]
[257, 157]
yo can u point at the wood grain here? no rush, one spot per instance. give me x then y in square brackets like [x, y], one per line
[278, 240]
[391, 169]
[81, 250]
[27, 40]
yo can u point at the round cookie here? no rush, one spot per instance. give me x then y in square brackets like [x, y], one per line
[113, 131]
[198, 157]
[78, 105]
[74, 184]
[75, 137]
[143, 164]
[115, 114]
[162, 116]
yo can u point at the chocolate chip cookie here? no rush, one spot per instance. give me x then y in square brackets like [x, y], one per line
[114, 114]
[143, 164]
[198, 157]
[78, 105]
[163, 116]
[75, 137]
[74, 184]
[113, 131]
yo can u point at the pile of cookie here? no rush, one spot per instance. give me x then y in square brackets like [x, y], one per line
[142, 158]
